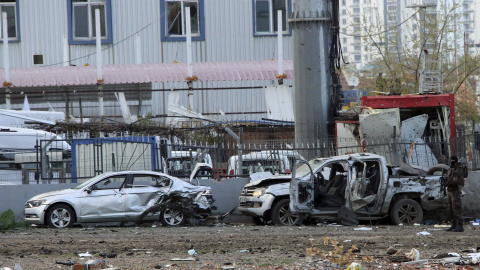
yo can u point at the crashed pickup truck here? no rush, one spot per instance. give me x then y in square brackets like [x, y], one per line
[357, 187]
[349, 188]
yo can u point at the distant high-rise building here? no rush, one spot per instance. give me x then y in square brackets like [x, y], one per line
[393, 25]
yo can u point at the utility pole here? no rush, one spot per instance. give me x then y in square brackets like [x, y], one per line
[311, 26]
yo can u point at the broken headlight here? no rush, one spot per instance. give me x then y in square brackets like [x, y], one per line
[34, 203]
[259, 192]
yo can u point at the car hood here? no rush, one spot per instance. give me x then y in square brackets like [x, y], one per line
[270, 181]
[53, 193]
[184, 186]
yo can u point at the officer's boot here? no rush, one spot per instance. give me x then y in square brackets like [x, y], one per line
[459, 227]
[454, 225]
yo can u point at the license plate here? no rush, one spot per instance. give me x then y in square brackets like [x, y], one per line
[243, 199]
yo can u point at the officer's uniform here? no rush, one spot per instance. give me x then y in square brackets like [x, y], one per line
[454, 182]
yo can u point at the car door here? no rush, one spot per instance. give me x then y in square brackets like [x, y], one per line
[365, 181]
[142, 191]
[104, 200]
[302, 188]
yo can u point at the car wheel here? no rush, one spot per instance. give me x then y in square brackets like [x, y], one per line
[172, 217]
[281, 214]
[60, 216]
[406, 212]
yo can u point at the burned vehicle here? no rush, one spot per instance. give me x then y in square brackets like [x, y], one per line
[119, 197]
[267, 200]
[356, 187]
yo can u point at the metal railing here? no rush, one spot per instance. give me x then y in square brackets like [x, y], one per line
[90, 157]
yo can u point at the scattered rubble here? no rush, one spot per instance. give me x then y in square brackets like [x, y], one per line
[242, 247]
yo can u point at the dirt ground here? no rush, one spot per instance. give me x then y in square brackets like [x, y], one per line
[234, 246]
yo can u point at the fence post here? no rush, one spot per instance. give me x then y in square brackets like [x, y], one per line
[25, 180]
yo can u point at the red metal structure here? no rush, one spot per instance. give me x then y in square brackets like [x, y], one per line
[411, 105]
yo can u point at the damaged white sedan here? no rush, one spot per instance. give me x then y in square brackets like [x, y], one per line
[116, 197]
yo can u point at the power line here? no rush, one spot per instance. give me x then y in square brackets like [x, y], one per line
[109, 47]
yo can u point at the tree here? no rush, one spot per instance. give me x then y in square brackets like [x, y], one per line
[426, 38]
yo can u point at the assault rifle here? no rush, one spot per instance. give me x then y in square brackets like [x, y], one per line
[443, 183]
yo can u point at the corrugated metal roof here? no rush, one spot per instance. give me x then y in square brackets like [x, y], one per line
[146, 73]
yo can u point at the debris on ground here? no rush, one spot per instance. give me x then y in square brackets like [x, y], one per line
[183, 259]
[354, 266]
[413, 255]
[86, 254]
[309, 247]
[363, 229]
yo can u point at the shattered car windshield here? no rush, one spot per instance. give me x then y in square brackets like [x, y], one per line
[303, 170]
[86, 183]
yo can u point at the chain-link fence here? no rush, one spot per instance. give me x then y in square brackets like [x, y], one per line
[89, 157]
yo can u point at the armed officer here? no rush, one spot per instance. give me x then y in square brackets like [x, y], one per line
[454, 182]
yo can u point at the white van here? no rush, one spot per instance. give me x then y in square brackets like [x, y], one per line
[180, 163]
[254, 162]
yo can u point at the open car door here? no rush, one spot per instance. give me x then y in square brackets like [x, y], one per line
[302, 188]
[201, 171]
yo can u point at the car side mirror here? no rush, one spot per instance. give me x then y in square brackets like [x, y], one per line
[88, 190]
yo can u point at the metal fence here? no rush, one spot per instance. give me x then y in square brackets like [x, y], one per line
[90, 157]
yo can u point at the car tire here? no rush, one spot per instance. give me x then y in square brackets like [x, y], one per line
[406, 212]
[172, 217]
[60, 216]
[438, 169]
[282, 216]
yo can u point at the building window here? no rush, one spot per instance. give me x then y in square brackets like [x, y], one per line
[356, 11]
[392, 38]
[10, 7]
[392, 18]
[344, 12]
[356, 39]
[344, 21]
[174, 19]
[391, 7]
[344, 40]
[358, 58]
[266, 16]
[81, 21]
[356, 20]
[357, 48]
[38, 59]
